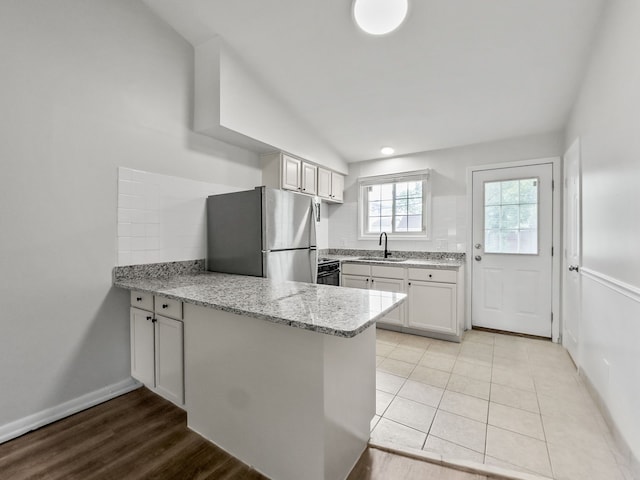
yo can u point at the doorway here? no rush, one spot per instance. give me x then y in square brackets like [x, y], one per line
[571, 279]
[512, 283]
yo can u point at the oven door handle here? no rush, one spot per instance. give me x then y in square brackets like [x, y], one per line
[326, 274]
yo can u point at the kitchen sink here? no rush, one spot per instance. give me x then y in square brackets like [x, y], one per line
[380, 259]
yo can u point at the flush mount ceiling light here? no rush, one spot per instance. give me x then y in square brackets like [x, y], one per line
[378, 17]
[387, 150]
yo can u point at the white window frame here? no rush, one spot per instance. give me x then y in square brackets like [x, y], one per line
[420, 175]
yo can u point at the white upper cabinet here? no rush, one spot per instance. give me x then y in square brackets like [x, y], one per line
[309, 174]
[337, 187]
[291, 172]
[281, 170]
[330, 185]
[324, 182]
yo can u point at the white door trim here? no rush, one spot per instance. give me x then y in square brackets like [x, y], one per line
[557, 228]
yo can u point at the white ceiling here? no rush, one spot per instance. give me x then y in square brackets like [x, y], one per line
[457, 72]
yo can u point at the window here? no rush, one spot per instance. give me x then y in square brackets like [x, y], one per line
[396, 204]
[511, 216]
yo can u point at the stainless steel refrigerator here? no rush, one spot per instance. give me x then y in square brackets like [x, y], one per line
[263, 232]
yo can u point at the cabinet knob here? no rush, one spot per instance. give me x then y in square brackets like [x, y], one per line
[164, 305]
[154, 320]
[148, 318]
[372, 280]
[138, 299]
[409, 283]
[430, 275]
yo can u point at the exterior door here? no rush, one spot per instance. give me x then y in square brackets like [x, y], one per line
[571, 279]
[512, 249]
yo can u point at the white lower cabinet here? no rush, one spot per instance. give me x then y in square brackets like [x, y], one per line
[157, 349]
[432, 306]
[364, 276]
[435, 297]
[143, 347]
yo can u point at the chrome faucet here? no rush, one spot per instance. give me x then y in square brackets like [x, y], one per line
[387, 253]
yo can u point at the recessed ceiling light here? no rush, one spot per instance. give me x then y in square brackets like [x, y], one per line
[387, 150]
[378, 17]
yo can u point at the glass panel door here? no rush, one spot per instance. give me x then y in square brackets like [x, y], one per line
[511, 216]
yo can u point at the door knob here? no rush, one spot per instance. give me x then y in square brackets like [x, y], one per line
[573, 268]
[478, 246]
[478, 258]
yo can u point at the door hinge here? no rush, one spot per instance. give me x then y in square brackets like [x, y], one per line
[552, 251]
[551, 317]
[553, 185]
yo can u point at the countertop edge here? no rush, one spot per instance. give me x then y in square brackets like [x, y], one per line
[269, 318]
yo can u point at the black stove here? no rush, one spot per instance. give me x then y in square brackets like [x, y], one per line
[328, 271]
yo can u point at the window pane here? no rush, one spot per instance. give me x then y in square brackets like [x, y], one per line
[386, 191]
[510, 192]
[414, 189]
[374, 209]
[511, 216]
[386, 208]
[492, 241]
[401, 223]
[528, 216]
[528, 241]
[401, 207]
[415, 206]
[374, 225]
[492, 218]
[374, 192]
[385, 224]
[529, 191]
[401, 190]
[492, 193]
[508, 241]
[415, 223]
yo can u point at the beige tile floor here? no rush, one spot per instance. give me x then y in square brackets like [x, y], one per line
[496, 399]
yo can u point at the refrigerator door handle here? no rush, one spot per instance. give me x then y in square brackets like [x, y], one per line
[313, 241]
[313, 264]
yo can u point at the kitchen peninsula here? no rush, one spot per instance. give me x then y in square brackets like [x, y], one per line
[279, 374]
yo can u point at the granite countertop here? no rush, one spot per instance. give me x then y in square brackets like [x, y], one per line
[441, 263]
[339, 311]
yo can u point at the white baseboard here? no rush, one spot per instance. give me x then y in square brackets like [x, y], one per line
[49, 415]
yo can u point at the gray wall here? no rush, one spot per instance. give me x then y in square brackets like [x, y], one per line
[448, 182]
[606, 118]
[86, 86]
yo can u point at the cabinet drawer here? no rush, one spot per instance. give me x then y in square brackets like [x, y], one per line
[142, 300]
[168, 307]
[356, 269]
[432, 275]
[387, 272]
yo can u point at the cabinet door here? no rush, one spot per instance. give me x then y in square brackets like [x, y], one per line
[170, 359]
[324, 183]
[337, 186]
[432, 306]
[309, 178]
[291, 173]
[355, 281]
[390, 285]
[142, 347]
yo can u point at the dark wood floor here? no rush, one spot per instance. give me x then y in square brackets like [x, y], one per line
[136, 436]
[142, 436]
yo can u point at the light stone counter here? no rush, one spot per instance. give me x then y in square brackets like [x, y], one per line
[344, 312]
[291, 402]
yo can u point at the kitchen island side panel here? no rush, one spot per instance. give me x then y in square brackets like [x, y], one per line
[350, 399]
[274, 396]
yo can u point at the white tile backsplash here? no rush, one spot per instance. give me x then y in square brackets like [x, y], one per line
[162, 218]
